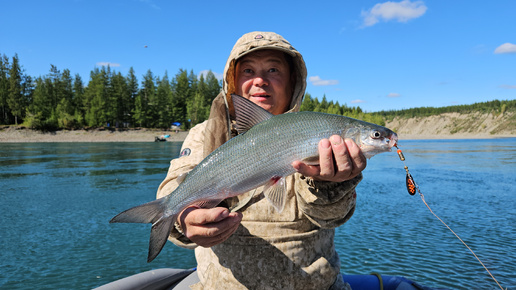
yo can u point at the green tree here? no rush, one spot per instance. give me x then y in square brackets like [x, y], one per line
[111, 98]
[307, 104]
[78, 100]
[95, 98]
[138, 113]
[163, 96]
[213, 88]
[132, 87]
[15, 98]
[4, 89]
[195, 109]
[40, 113]
[63, 90]
[121, 97]
[149, 100]
[181, 93]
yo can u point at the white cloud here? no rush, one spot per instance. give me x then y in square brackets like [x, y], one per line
[507, 86]
[204, 72]
[151, 4]
[111, 64]
[357, 101]
[393, 95]
[317, 81]
[506, 48]
[397, 11]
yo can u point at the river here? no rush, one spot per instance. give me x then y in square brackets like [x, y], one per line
[56, 200]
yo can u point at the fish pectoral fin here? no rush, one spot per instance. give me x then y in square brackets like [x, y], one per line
[209, 203]
[181, 177]
[276, 192]
[312, 160]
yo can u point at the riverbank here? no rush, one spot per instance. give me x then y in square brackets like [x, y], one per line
[12, 134]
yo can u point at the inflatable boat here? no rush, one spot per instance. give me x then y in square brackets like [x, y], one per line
[181, 279]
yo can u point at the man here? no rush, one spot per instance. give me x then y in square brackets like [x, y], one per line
[252, 245]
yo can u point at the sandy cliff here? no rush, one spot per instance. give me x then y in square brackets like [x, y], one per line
[455, 126]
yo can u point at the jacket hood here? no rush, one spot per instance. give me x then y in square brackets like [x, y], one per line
[218, 128]
[259, 40]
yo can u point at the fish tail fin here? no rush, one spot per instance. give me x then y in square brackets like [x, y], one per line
[152, 212]
[159, 235]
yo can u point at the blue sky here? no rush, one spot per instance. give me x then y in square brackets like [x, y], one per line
[378, 55]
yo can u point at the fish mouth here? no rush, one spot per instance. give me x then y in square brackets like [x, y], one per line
[393, 140]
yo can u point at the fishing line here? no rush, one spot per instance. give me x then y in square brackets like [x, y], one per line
[412, 188]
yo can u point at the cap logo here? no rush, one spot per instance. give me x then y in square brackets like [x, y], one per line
[259, 36]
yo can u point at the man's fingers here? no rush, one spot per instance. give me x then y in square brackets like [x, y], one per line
[207, 216]
[356, 157]
[326, 159]
[215, 233]
[342, 160]
[339, 160]
[306, 170]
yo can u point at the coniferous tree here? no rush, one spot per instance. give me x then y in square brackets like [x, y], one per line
[163, 96]
[201, 100]
[181, 92]
[111, 99]
[4, 89]
[120, 96]
[213, 88]
[308, 103]
[15, 99]
[95, 98]
[63, 89]
[132, 87]
[39, 112]
[149, 101]
[78, 100]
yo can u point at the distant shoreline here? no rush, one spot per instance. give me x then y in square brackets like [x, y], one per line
[22, 135]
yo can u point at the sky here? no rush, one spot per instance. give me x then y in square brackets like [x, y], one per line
[378, 55]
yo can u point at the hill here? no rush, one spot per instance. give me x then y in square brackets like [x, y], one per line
[455, 126]
[480, 120]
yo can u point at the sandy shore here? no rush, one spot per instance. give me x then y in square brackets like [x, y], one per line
[18, 135]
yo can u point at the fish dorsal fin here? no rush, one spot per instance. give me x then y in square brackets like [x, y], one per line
[248, 113]
[276, 192]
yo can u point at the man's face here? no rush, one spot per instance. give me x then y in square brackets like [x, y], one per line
[263, 77]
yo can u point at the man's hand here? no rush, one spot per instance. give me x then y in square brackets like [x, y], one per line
[209, 227]
[339, 160]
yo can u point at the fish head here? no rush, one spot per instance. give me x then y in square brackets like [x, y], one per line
[375, 140]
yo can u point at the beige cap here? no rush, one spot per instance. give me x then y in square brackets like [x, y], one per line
[253, 41]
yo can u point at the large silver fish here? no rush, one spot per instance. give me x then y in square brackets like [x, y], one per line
[262, 154]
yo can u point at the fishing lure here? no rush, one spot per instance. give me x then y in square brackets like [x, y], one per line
[412, 187]
[409, 180]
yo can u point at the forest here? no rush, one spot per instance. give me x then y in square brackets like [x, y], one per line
[496, 107]
[59, 100]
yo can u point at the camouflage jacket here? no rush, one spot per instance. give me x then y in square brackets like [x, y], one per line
[293, 249]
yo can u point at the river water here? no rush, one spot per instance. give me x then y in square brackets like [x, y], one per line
[56, 200]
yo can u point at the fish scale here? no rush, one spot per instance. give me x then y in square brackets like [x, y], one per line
[259, 155]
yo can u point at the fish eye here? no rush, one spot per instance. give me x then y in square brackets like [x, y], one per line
[376, 134]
